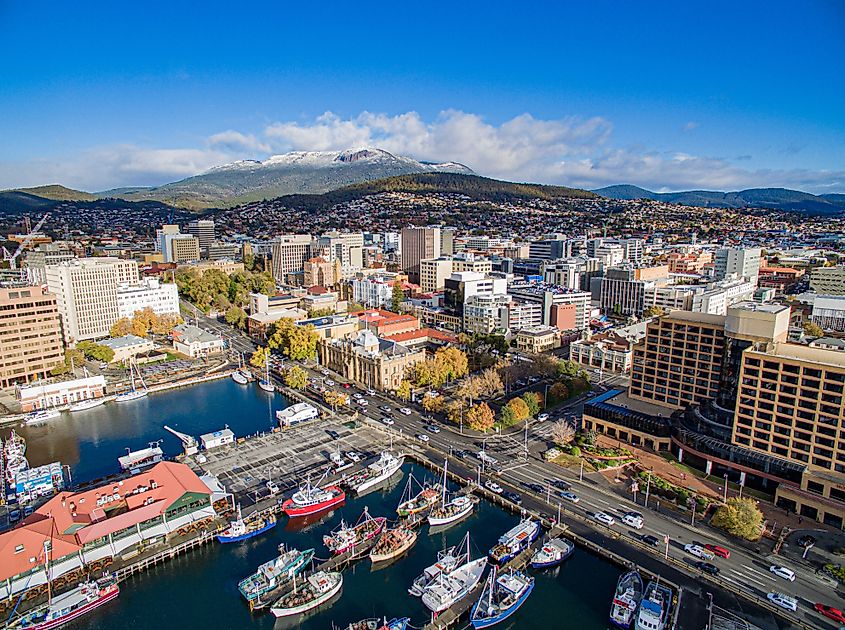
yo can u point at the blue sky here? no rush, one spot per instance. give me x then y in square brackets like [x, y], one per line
[676, 95]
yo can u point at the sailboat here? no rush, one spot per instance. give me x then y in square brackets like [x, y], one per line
[40, 416]
[448, 589]
[265, 383]
[240, 375]
[134, 393]
[453, 510]
[414, 504]
[448, 560]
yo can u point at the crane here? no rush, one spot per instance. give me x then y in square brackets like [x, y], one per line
[12, 258]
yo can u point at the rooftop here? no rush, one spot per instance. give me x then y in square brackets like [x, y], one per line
[127, 341]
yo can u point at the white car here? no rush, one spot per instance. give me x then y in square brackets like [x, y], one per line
[405, 411]
[355, 457]
[272, 487]
[329, 382]
[698, 551]
[325, 372]
[492, 486]
[784, 601]
[387, 421]
[362, 402]
[371, 392]
[570, 496]
[542, 417]
[357, 395]
[422, 437]
[786, 574]
[633, 519]
[604, 518]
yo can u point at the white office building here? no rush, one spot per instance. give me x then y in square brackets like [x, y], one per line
[163, 299]
[738, 263]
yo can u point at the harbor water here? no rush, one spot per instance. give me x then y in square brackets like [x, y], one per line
[199, 589]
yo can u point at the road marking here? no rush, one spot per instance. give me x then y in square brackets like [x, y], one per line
[746, 577]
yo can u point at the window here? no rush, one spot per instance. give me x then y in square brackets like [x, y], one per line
[818, 488]
[19, 549]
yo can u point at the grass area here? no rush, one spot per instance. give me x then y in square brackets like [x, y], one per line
[572, 461]
[700, 474]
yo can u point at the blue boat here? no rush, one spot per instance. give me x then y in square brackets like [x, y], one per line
[502, 596]
[242, 529]
[553, 553]
[515, 540]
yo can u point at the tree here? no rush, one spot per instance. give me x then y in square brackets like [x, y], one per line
[397, 297]
[259, 357]
[433, 404]
[296, 378]
[507, 416]
[320, 312]
[404, 390]
[121, 327]
[335, 399]
[812, 329]
[740, 517]
[450, 363]
[73, 358]
[562, 432]
[296, 342]
[559, 391]
[520, 409]
[480, 417]
[652, 311]
[568, 368]
[454, 411]
[165, 324]
[533, 401]
[96, 351]
[487, 384]
[236, 316]
[354, 307]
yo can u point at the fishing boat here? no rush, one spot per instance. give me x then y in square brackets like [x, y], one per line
[310, 499]
[242, 529]
[136, 461]
[41, 416]
[515, 540]
[502, 596]
[134, 393]
[88, 403]
[66, 607]
[14, 451]
[448, 589]
[384, 468]
[346, 538]
[447, 561]
[392, 544]
[654, 607]
[400, 623]
[275, 573]
[265, 383]
[629, 592]
[317, 589]
[426, 497]
[553, 553]
[453, 510]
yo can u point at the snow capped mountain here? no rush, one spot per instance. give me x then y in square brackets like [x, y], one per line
[290, 173]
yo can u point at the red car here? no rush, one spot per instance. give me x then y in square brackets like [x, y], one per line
[831, 613]
[719, 551]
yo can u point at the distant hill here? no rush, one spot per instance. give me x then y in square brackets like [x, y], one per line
[57, 192]
[473, 186]
[768, 198]
[298, 172]
[14, 201]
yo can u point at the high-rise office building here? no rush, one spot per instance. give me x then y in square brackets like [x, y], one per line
[86, 294]
[175, 246]
[290, 251]
[30, 334]
[203, 230]
[418, 243]
[828, 280]
[736, 261]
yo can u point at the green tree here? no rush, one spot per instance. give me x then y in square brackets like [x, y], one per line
[559, 392]
[296, 378]
[480, 417]
[519, 408]
[403, 392]
[236, 316]
[397, 297]
[74, 358]
[296, 342]
[740, 517]
[320, 312]
[652, 311]
[507, 417]
[533, 402]
[354, 307]
[96, 351]
[121, 327]
[812, 329]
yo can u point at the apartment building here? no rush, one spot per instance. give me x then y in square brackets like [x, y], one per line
[46, 254]
[434, 272]
[790, 405]
[86, 294]
[346, 247]
[30, 334]
[829, 312]
[737, 262]
[416, 244]
[163, 299]
[669, 297]
[828, 280]
[289, 252]
[622, 293]
[177, 247]
[486, 313]
[719, 296]
[551, 298]
[461, 286]
[689, 262]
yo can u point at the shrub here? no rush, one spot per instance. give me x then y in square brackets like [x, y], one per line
[740, 517]
[575, 451]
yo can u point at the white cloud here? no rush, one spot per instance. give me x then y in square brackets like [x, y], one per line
[570, 151]
[690, 126]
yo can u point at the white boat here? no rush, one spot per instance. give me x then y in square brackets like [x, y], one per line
[454, 587]
[447, 561]
[41, 416]
[654, 607]
[384, 468]
[14, 451]
[626, 599]
[552, 553]
[239, 377]
[318, 589]
[135, 461]
[265, 383]
[89, 403]
[134, 393]
[453, 510]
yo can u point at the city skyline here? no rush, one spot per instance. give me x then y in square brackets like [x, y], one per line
[672, 99]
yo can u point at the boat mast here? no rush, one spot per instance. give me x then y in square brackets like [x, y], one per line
[445, 466]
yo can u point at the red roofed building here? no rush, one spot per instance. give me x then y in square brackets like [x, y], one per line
[80, 529]
[425, 337]
[384, 323]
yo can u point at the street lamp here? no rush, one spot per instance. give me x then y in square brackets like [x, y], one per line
[647, 488]
[726, 487]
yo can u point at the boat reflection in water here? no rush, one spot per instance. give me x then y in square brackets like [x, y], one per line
[307, 523]
[295, 621]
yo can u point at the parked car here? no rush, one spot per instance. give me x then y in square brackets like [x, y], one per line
[405, 411]
[780, 571]
[719, 551]
[542, 417]
[333, 434]
[698, 551]
[355, 457]
[346, 386]
[273, 487]
[324, 372]
[357, 395]
[650, 540]
[387, 421]
[363, 402]
[570, 496]
[330, 382]
[784, 601]
[422, 437]
[707, 567]
[830, 612]
[633, 519]
[604, 518]
[492, 486]
[513, 497]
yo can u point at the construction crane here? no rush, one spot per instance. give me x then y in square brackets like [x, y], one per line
[13, 258]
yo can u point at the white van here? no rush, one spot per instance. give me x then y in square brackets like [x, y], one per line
[633, 519]
[784, 601]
